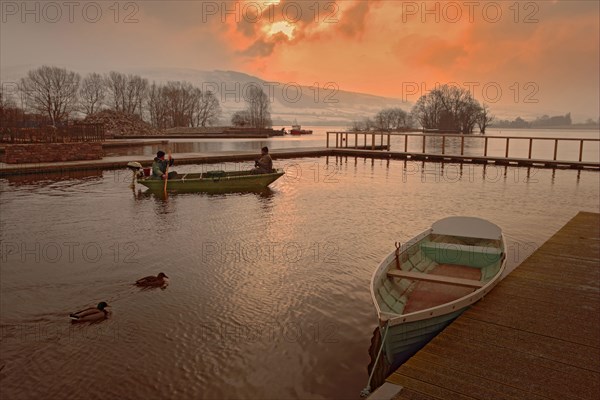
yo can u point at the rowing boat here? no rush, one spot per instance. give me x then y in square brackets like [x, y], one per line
[213, 181]
[424, 284]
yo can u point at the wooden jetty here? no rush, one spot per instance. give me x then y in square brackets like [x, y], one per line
[348, 141]
[120, 162]
[372, 151]
[535, 336]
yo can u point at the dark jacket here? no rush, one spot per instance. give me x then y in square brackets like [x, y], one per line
[159, 167]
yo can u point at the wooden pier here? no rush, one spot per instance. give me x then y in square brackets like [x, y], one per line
[438, 151]
[535, 336]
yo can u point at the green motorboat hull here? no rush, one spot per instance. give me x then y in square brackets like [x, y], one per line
[214, 181]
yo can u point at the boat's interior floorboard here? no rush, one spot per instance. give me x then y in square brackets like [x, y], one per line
[431, 294]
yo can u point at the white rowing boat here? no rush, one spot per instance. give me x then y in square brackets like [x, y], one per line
[423, 285]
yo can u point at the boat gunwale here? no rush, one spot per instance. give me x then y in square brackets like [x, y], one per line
[278, 173]
[393, 319]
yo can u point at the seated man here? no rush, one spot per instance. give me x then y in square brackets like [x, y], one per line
[159, 166]
[264, 165]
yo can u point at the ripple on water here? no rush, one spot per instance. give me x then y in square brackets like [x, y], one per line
[269, 294]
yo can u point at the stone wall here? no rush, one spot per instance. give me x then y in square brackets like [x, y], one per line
[51, 152]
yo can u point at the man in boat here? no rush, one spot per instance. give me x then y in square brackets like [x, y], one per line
[264, 165]
[159, 166]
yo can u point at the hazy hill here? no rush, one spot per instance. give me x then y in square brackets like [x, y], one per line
[309, 106]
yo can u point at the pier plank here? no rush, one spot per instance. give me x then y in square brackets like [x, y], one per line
[536, 335]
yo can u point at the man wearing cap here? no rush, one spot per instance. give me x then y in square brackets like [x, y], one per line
[264, 165]
[159, 166]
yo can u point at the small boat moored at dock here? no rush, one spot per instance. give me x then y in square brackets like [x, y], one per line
[423, 285]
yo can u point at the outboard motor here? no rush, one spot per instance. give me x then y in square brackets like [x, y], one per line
[137, 169]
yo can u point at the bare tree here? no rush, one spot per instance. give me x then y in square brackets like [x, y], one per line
[365, 124]
[447, 108]
[180, 104]
[92, 93]
[484, 118]
[157, 106]
[51, 91]
[128, 92]
[6, 99]
[241, 119]
[136, 91]
[259, 107]
[10, 114]
[391, 119]
[208, 109]
[116, 83]
[180, 99]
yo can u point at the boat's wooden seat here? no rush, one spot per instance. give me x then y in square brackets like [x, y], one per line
[451, 253]
[419, 276]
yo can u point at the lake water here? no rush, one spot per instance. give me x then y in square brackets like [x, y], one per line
[269, 294]
[474, 145]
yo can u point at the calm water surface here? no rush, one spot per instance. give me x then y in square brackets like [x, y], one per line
[269, 293]
[473, 146]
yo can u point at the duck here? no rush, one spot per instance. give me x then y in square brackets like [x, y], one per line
[91, 314]
[160, 280]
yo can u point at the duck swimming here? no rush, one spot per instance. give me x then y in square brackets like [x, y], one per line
[91, 314]
[160, 280]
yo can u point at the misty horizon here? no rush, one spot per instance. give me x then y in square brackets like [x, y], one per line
[536, 59]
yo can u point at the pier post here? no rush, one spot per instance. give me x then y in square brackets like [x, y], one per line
[485, 147]
[581, 150]
[555, 148]
[327, 140]
[462, 145]
[507, 145]
[424, 137]
[406, 143]
[530, 147]
[356, 140]
[373, 141]
[443, 144]
[388, 141]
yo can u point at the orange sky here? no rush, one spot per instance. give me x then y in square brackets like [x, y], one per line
[543, 56]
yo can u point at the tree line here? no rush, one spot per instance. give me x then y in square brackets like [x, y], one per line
[446, 108]
[57, 95]
[545, 121]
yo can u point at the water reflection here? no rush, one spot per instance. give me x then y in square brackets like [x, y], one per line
[258, 278]
[48, 178]
[140, 194]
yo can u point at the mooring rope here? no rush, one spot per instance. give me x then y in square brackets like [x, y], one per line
[367, 390]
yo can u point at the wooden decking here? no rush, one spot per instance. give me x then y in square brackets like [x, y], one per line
[535, 336]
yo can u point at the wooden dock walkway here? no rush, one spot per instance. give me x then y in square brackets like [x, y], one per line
[119, 162]
[535, 336]
[439, 149]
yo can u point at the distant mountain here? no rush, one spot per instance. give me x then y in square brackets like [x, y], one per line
[290, 101]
